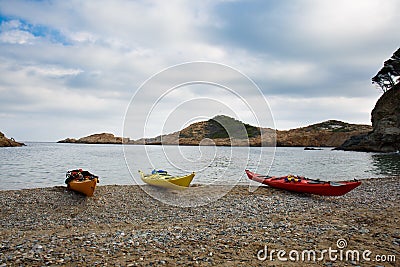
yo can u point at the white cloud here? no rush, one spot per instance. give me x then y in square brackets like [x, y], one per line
[17, 37]
[53, 71]
[343, 21]
[42, 89]
[13, 32]
[347, 32]
[81, 37]
[100, 52]
[10, 25]
[292, 112]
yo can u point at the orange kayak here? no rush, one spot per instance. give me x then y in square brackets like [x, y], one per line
[82, 181]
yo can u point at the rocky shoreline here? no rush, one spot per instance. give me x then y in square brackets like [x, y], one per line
[385, 118]
[123, 226]
[330, 133]
[9, 142]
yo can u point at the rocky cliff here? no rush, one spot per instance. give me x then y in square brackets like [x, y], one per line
[385, 118]
[8, 142]
[102, 138]
[331, 133]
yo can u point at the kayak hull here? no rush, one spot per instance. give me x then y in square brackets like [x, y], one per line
[168, 181]
[85, 187]
[305, 185]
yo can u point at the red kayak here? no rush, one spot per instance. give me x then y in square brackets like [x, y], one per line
[305, 185]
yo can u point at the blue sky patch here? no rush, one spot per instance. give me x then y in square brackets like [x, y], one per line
[37, 30]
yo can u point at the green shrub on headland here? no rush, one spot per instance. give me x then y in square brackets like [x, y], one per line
[226, 127]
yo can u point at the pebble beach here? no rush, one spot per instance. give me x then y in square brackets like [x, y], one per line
[121, 225]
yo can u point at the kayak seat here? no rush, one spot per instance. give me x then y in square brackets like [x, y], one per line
[265, 176]
[316, 182]
[335, 184]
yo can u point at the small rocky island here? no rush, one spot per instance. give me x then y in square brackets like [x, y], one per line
[102, 138]
[8, 142]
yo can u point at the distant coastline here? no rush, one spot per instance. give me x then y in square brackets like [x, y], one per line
[330, 133]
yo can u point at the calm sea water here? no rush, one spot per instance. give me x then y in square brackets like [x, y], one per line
[45, 164]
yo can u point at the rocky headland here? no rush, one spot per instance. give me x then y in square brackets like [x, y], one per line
[220, 131]
[8, 142]
[226, 131]
[330, 133]
[385, 117]
[102, 138]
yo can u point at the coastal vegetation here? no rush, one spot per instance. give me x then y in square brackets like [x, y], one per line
[222, 126]
[385, 117]
[389, 75]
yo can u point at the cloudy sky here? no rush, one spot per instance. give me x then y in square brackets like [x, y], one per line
[71, 68]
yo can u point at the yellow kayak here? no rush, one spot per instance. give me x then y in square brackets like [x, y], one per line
[81, 181]
[167, 181]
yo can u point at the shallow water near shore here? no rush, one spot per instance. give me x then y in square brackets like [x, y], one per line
[44, 164]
